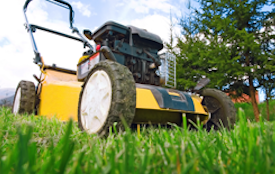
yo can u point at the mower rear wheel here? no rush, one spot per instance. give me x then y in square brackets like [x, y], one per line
[107, 96]
[221, 108]
[24, 98]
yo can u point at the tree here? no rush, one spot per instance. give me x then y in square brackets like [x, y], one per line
[267, 81]
[227, 41]
[268, 85]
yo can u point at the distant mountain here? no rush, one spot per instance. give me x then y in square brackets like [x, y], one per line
[7, 96]
[7, 101]
[6, 92]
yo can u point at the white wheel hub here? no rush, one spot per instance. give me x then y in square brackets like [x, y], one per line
[16, 101]
[96, 101]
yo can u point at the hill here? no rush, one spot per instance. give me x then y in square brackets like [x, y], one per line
[6, 92]
[7, 101]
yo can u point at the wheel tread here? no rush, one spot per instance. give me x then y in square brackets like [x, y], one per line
[27, 97]
[227, 104]
[123, 95]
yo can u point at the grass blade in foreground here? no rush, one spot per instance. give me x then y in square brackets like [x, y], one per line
[32, 144]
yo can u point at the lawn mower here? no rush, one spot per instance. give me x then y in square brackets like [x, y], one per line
[122, 81]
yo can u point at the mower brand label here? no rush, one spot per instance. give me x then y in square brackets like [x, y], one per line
[93, 60]
[89, 64]
[84, 67]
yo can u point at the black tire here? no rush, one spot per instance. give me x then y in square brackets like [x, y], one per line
[123, 98]
[24, 98]
[221, 108]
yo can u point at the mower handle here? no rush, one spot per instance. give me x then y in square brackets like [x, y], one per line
[31, 28]
[58, 1]
[26, 4]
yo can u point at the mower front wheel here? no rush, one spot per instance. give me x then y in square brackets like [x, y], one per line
[221, 108]
[24, 98]
[107, 96]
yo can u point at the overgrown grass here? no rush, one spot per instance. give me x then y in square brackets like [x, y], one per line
[248, 109]
[32, 144]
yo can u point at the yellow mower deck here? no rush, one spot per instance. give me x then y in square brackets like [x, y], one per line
[59, 95]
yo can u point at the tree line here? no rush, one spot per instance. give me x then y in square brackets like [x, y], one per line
[231, 42]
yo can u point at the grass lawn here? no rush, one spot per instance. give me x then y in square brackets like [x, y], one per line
[248, 109]
[30, 144]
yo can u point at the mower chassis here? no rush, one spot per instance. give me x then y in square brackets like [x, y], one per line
[58, 93]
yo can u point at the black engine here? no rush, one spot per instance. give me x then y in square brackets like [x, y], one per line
[133, 47]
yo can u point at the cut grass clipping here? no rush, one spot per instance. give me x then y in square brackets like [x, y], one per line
[32, 144]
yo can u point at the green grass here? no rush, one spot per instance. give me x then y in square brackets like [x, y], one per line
[32, 144]
[248, 109]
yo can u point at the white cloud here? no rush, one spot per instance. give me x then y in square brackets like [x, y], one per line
[83, 8]
[157, 24]
[144, 6]
[16, 55]
[13, 55]
[182, 1]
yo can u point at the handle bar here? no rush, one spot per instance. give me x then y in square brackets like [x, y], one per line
[26, 4]
[38, 60]
[60, 2]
